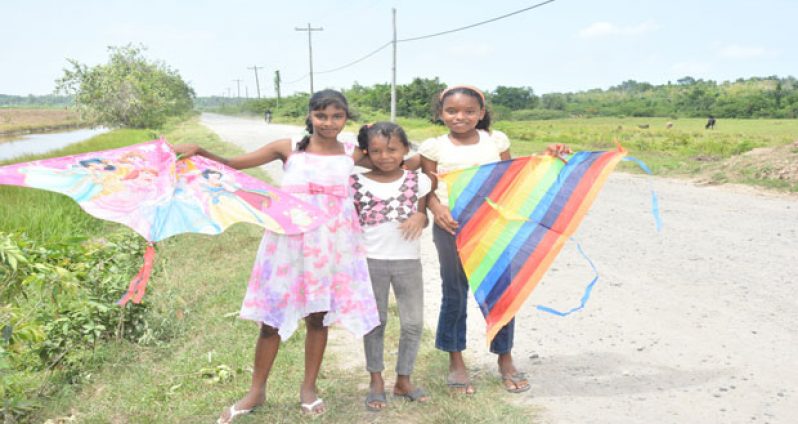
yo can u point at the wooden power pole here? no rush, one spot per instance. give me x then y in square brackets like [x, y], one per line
[238, 88]
[257, 84]
[393, 71]
[310, 30]
[277, 86]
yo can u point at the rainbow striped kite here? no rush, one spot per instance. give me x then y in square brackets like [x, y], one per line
[515, 216]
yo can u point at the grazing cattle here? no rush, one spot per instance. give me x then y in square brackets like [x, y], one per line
[669, 125]
[710, 123]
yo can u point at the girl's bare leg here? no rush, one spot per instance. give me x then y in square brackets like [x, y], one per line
[315, 344]
[265, 351]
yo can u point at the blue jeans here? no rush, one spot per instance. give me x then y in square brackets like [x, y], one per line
[451, 333]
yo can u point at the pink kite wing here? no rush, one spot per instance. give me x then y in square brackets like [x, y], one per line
[145, 187]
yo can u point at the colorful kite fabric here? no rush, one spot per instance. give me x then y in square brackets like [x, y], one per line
[146, 188]
[515, 216]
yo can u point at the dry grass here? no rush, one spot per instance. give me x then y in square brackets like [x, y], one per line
[27, 120]
[770, 167]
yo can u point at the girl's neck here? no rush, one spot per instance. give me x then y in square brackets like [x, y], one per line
[468, 137]
[322, 145]
[377, 174]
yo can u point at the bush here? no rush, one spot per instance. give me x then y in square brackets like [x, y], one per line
[129, 91]
[57, 304]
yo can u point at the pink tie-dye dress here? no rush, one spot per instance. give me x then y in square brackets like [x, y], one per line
[321, 270]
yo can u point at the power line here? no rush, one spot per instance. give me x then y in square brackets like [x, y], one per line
[378, 49]
[478, 23]
[342, 66]
[358, 60]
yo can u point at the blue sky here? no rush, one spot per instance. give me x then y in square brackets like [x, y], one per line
[568, 45]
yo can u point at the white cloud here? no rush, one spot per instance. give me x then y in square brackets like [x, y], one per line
[735, 51]
[603, 29]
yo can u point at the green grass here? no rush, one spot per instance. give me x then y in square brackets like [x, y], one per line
[196, 293]
[686, 149]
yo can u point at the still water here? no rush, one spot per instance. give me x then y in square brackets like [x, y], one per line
[33, 144]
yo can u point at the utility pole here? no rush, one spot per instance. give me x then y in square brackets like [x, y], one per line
[277, 86]
[246, 91]
[238, 88]
[257, 84]
[393, 71]
[310, 50]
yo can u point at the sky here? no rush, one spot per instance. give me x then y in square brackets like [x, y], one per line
[564, 46]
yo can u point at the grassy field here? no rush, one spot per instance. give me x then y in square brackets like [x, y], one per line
[756, 152]
[759, 152]
[30, 120]
[201, 360]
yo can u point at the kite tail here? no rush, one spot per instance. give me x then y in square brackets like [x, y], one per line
[138, 285]
[654, 200]
[589, 288]
[585, 295]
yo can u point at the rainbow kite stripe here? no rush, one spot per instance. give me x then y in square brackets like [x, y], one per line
[514, 218]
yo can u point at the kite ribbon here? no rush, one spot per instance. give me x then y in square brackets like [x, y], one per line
[589, 288]
[138, 284]
[654, 201]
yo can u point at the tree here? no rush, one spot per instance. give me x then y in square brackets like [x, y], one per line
[414, 99]
[128, 91]
[554, 101]
[514, 98]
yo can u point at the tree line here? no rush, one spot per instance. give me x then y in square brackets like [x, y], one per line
[756, 97]
[131, 91]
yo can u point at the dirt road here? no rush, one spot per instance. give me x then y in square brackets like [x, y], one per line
[696, 324]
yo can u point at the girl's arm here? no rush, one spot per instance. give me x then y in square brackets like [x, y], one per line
[362, 159]
[413, 162]
[443, 218]
[279, 149]
[412, 227]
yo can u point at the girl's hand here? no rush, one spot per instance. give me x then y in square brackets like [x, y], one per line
[558, 150]
[186, 150]
[443, 219]
[412, 227]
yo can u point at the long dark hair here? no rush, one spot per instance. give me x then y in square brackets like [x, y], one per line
[318, 101]
[382, 128]
[484, 123]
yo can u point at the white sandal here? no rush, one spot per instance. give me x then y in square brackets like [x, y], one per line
[308, 408]
[233, 414]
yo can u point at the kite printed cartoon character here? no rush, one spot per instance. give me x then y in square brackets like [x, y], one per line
[146, 188]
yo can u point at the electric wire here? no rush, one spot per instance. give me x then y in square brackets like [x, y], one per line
[422, 37]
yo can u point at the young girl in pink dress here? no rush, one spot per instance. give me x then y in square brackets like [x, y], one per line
[320, 276]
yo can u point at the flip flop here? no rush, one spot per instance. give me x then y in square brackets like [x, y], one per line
[519, 380]
[233, 414]
[376, 397]
[414, 395]
[310, 408]
[455, 387]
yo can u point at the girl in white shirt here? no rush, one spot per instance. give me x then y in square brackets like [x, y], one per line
[468, 143]
[392, 209]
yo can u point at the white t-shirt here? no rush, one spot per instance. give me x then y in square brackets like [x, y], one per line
[451, 157]
[385, 241]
